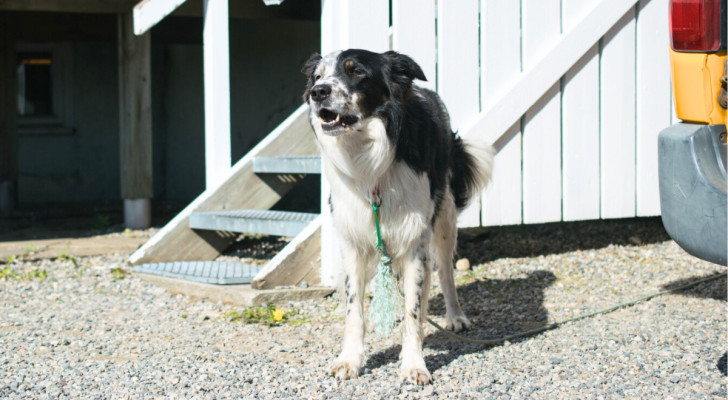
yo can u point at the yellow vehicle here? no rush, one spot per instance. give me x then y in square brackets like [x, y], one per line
[692, 153]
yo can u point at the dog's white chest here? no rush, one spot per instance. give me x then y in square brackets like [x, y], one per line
[405, 209]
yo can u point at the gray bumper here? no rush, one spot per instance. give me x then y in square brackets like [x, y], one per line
[692, 167]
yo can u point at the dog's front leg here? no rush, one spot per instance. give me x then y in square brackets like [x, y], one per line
[349, 362]
[416, 290]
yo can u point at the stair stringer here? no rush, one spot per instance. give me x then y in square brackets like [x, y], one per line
[241, 189]
[298, 261]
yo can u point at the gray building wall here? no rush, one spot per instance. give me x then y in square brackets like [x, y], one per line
[83, 166]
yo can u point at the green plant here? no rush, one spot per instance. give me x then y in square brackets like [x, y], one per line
[268, 315]
[37, 274]
[102, 222]
[118, 274]
[12, 259]
[65, 257]
[8, 273]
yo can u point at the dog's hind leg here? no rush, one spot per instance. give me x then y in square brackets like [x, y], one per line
[416, 276]
[349, 362]
[443, 245]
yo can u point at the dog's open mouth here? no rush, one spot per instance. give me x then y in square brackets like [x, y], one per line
[331, 120]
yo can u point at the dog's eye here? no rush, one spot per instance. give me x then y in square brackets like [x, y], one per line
[316, 77]
[358, 71]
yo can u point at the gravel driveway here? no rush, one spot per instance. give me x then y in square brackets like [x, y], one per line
[89, 331]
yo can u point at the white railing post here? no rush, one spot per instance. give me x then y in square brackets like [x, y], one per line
[216, 54]
[345, 24]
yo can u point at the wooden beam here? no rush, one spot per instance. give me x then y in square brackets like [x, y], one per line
[239, 9]
[299, 261]
[534, 82]
[8, 116]
[83, 6]
[216, 62]
[135, 111]
[149, 12]
[242, 188]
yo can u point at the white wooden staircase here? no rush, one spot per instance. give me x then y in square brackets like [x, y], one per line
[186, 247]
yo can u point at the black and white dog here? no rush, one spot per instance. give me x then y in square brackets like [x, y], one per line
[387, 141]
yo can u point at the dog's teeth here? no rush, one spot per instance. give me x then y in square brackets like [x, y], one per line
[338, 117]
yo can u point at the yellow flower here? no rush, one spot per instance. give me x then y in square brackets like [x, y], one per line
[278, 314]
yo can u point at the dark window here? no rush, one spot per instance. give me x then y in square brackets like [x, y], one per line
[35, 84]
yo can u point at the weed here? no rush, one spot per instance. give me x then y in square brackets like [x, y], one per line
[183, 316]
[12, 259]
[265, 315]
[8, 273]
[39, 274]
[128, 232]
[102, 222]
[65, 257]
[118, 274]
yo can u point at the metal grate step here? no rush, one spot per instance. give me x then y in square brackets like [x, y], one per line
[279, 223]
[287, 165]
[215, 272]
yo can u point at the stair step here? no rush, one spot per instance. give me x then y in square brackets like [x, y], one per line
[279, 223]
[287, 165]
[215, 272]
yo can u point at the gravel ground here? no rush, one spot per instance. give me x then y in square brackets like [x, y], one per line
[87, 330]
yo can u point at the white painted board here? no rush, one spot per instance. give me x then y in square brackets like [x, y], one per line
[542, 123]
[618, 119]
[216, 64]
[413, 25]
[500, 69]
[653, 100]
[458, 72]
[580, 125]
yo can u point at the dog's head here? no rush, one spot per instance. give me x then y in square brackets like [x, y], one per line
[345, 88]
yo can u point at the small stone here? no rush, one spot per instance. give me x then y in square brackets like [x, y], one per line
[463, 264]
[635, 240]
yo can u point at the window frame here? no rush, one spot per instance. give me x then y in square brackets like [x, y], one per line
[61, 80]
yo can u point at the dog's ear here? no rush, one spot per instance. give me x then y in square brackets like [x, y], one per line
[311, 64]
[401, 65]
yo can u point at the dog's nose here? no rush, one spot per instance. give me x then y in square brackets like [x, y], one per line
[320, 92]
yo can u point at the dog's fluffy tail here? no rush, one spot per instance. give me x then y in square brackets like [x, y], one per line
[472, 168]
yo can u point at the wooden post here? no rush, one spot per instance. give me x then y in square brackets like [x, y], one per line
[216, 60]
[8, 117]
[135, 123]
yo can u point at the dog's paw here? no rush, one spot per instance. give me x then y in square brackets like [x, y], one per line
[416, 375]
[345, 369]
[458, 323]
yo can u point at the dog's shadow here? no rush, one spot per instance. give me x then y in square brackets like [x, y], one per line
[497, 308]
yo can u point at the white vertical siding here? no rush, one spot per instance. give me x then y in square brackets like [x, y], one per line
[458, 72]
[541, 24]
[618, 119]
[653, 98]
[413, 25]
[500, 67]
[583, 144]
[580, 125]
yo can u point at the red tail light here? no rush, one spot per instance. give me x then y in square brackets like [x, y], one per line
[695, 25]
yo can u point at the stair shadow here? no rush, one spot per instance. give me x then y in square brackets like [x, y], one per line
[497, 308]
